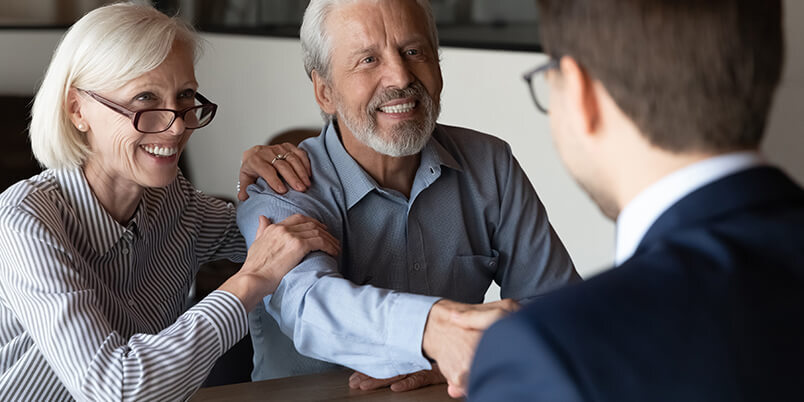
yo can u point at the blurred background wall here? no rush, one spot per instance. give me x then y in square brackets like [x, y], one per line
[262, 90]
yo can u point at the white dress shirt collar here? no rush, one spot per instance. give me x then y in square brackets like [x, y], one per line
[640, 214]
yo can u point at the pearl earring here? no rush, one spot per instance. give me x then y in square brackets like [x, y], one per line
[82, 127]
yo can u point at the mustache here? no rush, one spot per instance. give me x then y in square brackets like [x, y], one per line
[415, 90]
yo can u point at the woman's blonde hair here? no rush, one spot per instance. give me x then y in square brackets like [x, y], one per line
[104, 50]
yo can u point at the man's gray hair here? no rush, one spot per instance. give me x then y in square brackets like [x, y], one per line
[316, 46]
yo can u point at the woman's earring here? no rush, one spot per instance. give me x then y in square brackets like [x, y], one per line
[82, 127]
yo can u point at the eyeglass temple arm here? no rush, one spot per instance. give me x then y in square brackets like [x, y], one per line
[117, 108]
[202, 99]
[552, 63]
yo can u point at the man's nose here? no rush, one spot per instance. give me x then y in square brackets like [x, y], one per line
[398, 73]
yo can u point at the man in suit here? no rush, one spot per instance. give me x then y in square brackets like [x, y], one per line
[658, 109]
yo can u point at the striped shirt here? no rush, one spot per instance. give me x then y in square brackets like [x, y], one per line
[94, 310]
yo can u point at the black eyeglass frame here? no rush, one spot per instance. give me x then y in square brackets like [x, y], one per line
[553, 63]
[135, 115]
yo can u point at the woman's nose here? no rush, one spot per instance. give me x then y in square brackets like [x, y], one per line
[178, 127]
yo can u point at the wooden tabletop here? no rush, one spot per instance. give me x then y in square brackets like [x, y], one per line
[331, 386]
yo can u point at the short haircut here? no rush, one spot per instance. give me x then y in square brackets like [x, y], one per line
[315, 41]
[105, 49]
[693, 75]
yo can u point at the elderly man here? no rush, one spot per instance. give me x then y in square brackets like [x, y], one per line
[658, 109]
[428, 215]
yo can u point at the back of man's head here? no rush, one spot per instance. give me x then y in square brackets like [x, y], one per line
[693, 75]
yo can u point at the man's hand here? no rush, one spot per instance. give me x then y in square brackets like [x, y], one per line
[289, 162]
[400, 383]
[451, 335]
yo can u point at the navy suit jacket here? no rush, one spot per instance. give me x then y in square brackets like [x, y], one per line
[709, 308]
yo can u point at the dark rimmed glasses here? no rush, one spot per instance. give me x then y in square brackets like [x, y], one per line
[153, 121]
[539, 88]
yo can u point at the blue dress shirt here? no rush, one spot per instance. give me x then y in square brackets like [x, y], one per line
[472, 217]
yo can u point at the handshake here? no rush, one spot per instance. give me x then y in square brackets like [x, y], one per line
[451, 335]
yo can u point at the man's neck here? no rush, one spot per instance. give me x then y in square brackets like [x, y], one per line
[634, 164]
[394, 173]
[644, 172]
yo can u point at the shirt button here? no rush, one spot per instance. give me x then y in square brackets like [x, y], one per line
[417, 266]
[124, 251]
[131, 302]
[492, 264]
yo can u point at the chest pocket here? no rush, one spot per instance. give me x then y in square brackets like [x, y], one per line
[471, 276]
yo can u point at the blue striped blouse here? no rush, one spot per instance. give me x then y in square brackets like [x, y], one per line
[93, 310]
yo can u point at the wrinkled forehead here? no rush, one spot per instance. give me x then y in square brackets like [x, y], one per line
[371, 23]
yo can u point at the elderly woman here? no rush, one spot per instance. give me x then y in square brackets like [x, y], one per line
[98, 252]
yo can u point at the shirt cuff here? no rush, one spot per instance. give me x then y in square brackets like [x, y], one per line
[410, 314]
[226, 314]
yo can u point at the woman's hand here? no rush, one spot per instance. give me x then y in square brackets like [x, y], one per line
[276, 250]
[270, 162]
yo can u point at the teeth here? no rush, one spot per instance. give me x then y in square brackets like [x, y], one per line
[160, 151]
[403, 108]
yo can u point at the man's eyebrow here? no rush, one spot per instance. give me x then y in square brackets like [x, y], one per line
[363, 50]
[417, 40]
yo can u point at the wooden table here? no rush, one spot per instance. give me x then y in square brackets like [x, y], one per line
[332, 386]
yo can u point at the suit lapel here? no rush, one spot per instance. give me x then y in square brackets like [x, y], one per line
[748, 189]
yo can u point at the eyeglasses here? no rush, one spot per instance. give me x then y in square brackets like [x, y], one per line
[152, 121]
[539, 89]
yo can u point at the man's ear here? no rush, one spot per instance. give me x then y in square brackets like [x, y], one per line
[323, 93]
[580, 94]
[74, 110]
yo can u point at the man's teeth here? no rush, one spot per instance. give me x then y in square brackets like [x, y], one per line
[160, 151]
[403, 108]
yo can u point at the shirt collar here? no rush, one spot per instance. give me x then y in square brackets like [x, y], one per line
[441, 156]
[101, 229]
[433, 157]
[638, 216]
[357, 183]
